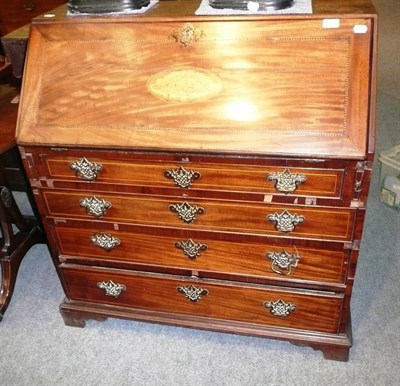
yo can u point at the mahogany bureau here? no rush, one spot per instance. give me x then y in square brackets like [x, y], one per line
[205, 171]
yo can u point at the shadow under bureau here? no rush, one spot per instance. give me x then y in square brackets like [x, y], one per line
[208, 172]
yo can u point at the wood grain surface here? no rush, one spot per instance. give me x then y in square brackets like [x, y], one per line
[285, 83]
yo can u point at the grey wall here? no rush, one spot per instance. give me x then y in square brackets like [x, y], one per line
[389, 46]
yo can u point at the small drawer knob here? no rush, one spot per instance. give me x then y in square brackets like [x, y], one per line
[86, 170]
[6, 196]
[283, 262]
[182, 177]
[29, 5]
[286, 182]
[111, 289]
[285, 222]
[186, 212]
[279, 307]
[105, 241]
[190, 248]
[192, 293]
[94, 206]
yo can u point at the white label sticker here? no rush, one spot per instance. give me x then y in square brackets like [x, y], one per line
[330, 23]
[360, 29]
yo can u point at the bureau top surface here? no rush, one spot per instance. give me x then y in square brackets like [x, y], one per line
[187, 8]
[170, 80]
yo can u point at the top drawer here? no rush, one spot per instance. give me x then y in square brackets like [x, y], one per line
[255, 86]
[265, 177]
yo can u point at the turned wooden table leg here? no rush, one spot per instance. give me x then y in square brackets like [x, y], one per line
[9, 269]
[10, 263]
[14, 246]
[18, 234]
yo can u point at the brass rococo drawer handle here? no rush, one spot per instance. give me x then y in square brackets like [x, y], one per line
[186, 212]
[86, 170]
[96, 207]
[105, 241]
[111, 289]
[190, 248]
[279, 307]
[182, 177]
[192, 293]
[283, 262]
[187, 34]
[285, 222]
[286, 182]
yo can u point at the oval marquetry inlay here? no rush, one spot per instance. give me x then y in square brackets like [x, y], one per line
[184, 85]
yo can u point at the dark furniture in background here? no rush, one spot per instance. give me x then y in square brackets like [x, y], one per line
[14, 49]
[17, 13]
[13, 244]
[15, 17]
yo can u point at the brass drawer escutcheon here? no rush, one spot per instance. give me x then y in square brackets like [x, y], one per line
[192, 293]
[187, 34]
[186, 212]
[285, 222]
[105, 241]
[182, 177]
[280, 308]
[283, 262]
[86, 170]
[286, 182]
[111, 289]
[94, 206]
[190, 248]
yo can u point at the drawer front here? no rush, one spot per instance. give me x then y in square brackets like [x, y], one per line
[204, 255]
[228, 301]
[225, 216]
[268, 179]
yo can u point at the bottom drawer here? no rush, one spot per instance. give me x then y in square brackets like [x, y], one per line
[262, 259]
[265, 305]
